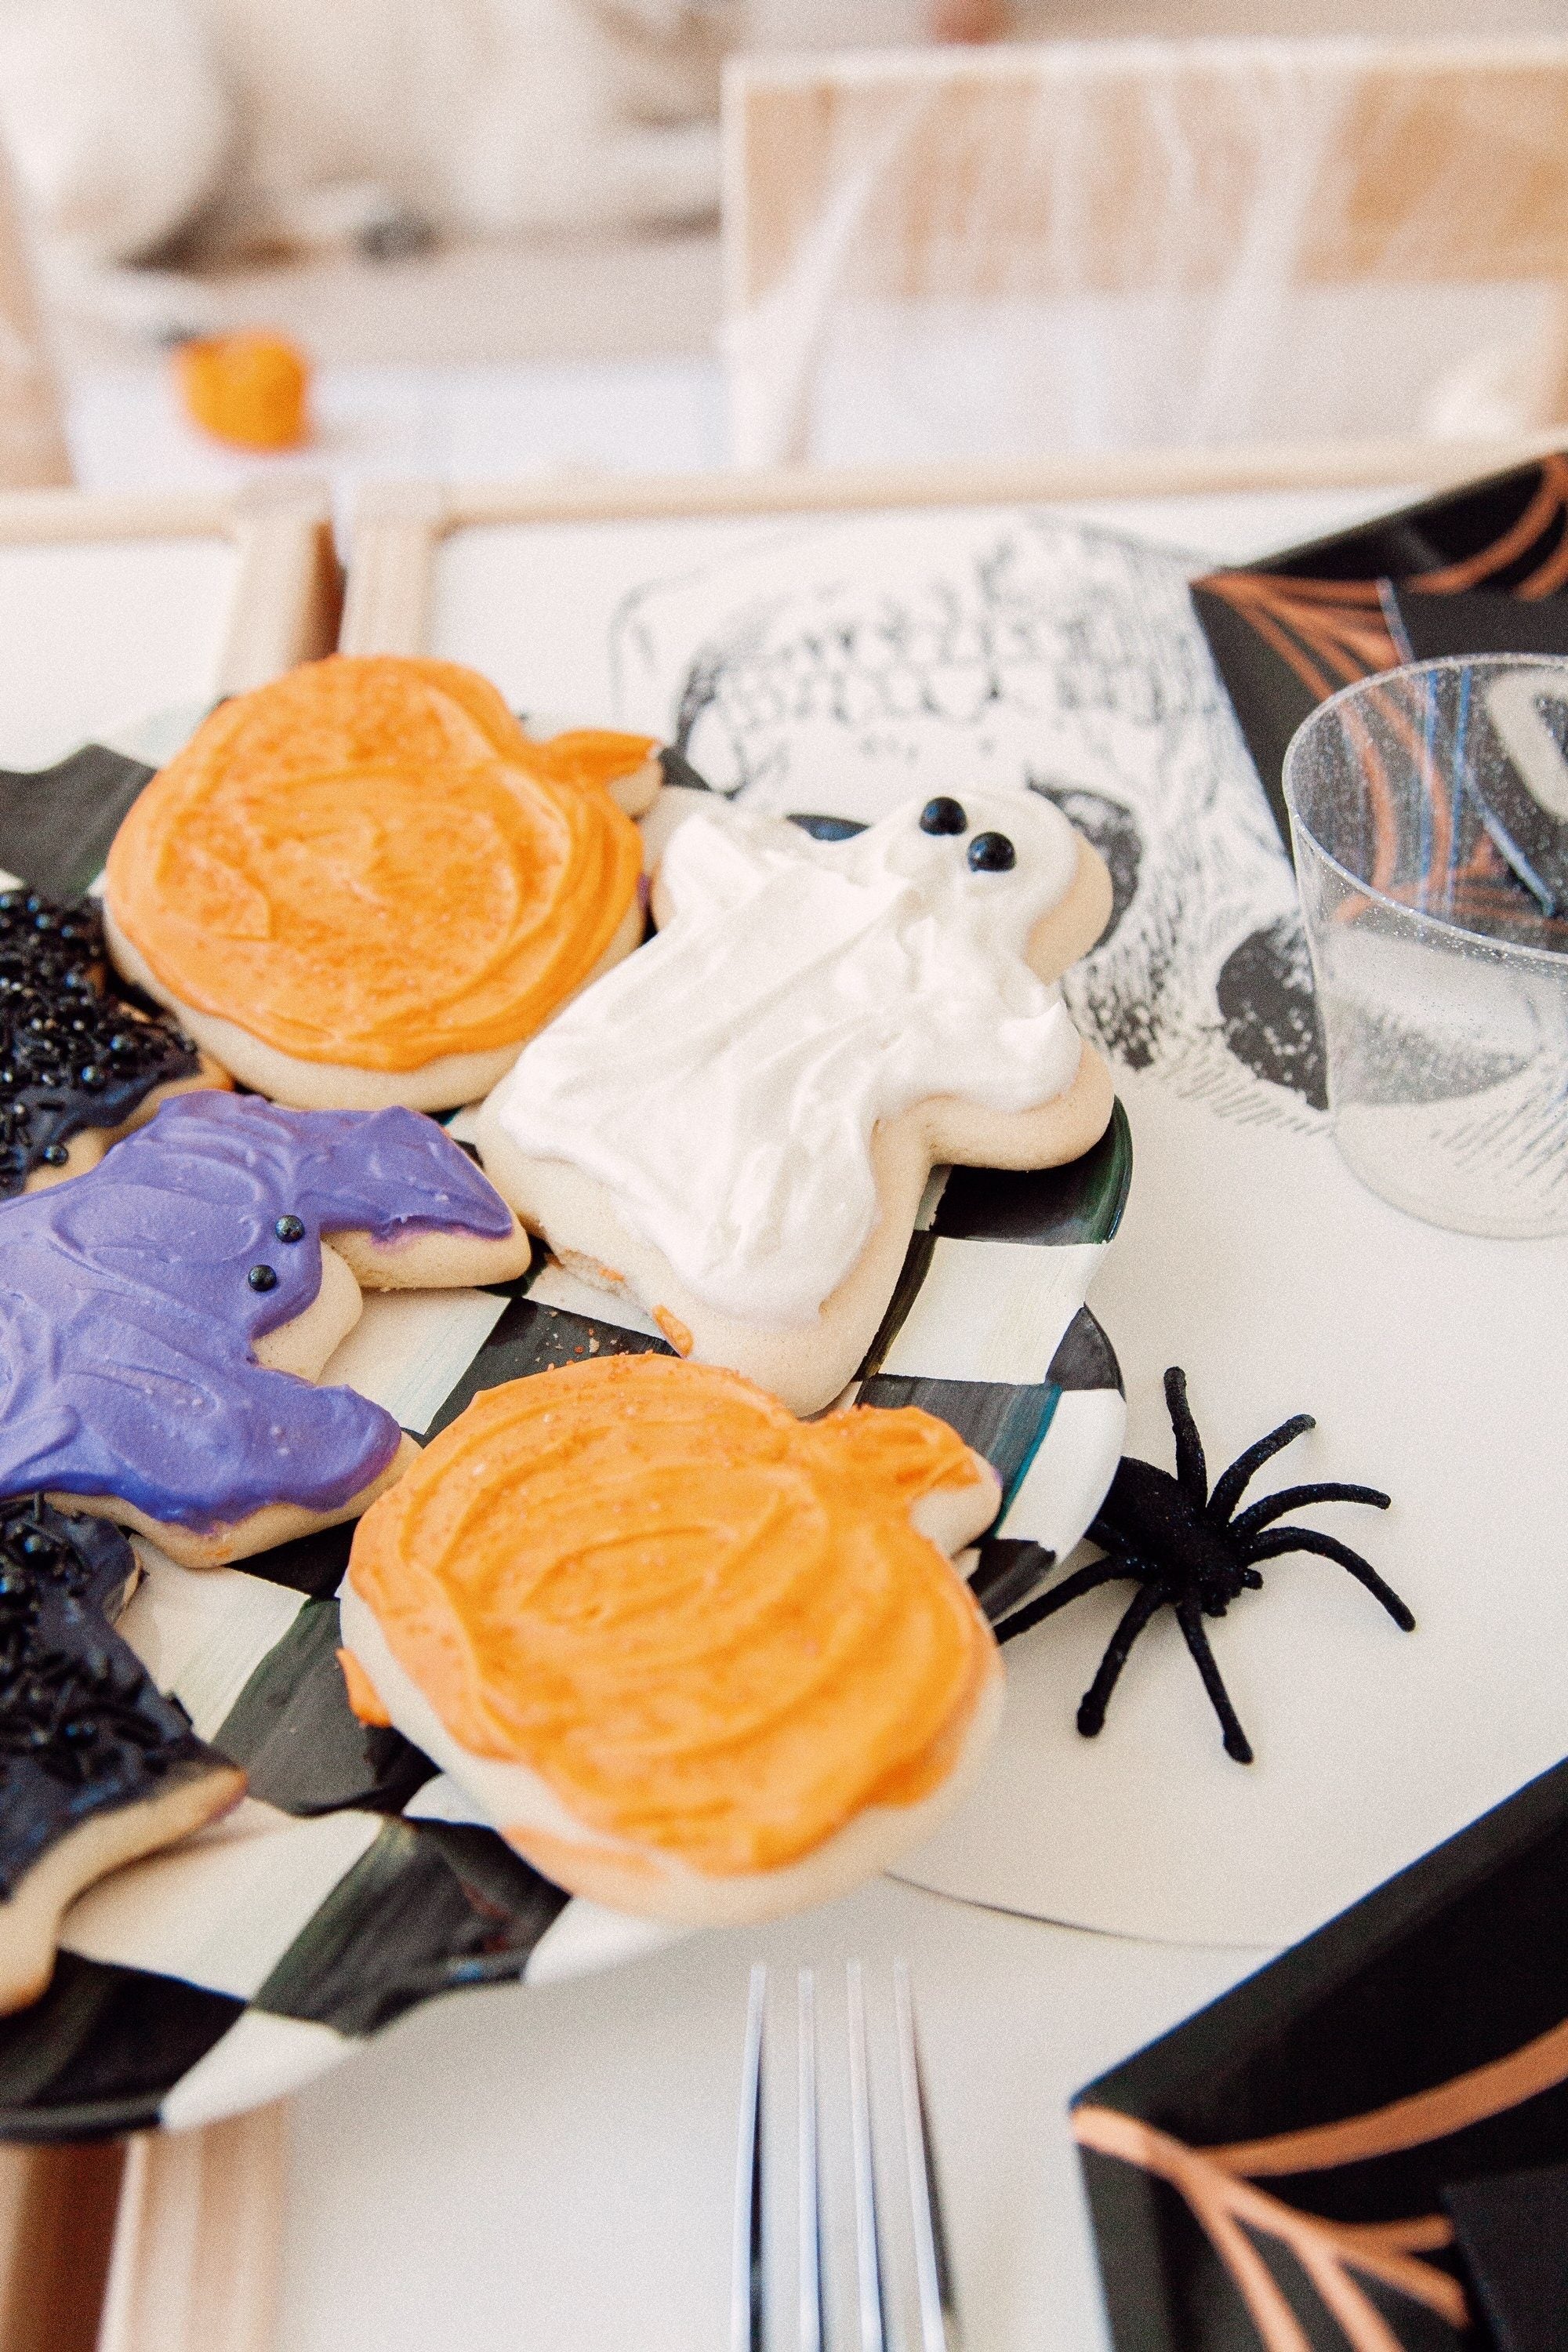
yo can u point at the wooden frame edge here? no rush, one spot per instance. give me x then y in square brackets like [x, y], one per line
[917, 66]
[288, 595]
[57, 2215]
[396, 531]
[59, 515]
[197, 2254]
[397, 527]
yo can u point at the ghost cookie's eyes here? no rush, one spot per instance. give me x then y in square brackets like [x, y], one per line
[942, 816]
[990, 853]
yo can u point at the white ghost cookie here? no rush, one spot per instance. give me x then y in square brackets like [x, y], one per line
[735, 1126]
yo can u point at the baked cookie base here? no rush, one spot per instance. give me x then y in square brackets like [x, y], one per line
[193, 1794]
[805, 1365]
[87, 1147]
[439, 1084]
[218, 1547]
[533, 1819]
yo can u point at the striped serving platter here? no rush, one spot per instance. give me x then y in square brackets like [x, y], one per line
[354, 1882]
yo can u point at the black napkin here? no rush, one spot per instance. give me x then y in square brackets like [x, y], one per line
[55, 824]
[1480, 621]
[1512, 2232]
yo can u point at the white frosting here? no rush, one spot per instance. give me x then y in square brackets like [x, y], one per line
[724, 1081]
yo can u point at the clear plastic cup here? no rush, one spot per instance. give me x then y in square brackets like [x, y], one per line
[1441, 974]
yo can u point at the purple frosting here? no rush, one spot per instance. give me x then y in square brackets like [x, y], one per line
[131, 1297]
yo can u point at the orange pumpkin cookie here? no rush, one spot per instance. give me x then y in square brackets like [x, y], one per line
[694, 1658]
[364, 885]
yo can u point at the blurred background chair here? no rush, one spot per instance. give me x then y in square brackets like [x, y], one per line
[33, 453]
[1021, 251]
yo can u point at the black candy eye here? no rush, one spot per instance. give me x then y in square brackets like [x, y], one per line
[290, 1229]
[991, 853]
[942, 816]
[261, 1277]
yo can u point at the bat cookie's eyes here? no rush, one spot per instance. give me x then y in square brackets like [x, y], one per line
[990, 853]
[944, 815]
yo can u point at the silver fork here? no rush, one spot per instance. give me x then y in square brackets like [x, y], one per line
[933, 2279]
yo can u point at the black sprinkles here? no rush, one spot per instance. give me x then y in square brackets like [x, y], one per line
[71, 1057]
[83, 1727]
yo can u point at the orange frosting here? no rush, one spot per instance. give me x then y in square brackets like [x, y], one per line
[362, 1700]
[368, 863]
[674, 1329]
[709, 1627]
[250, 388]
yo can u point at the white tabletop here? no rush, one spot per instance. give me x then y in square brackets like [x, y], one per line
[553, 2165]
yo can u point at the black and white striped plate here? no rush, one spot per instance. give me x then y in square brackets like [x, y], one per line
[354, 1883]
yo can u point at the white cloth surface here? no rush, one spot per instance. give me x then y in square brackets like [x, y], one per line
[525, 2170]
[553, 2165]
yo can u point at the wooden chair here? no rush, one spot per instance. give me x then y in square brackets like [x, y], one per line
[1230, 172]
[33, 452]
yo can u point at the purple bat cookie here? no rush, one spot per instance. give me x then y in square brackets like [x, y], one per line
[130, 1299]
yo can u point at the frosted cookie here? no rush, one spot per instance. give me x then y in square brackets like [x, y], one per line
[163, 1318]
[96, 1768]
[694, 1659]
[736, 1126]
[79, 1068]
[364, 885]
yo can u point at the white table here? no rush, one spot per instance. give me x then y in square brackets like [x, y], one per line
[553, 2167]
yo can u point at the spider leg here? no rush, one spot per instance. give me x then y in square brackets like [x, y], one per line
[1232, 1483]
[1293, 1499]
[1097, 1697]
[1284, 1539]
[1071, 1588]
[1192, 1470]
[1190, 1619]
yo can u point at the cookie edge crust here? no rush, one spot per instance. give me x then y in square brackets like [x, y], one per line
[639, 1880]
[805, 1365]
[298, 1085]
[219, 1547]
[31, 1918]
[89, 1145]
[537, 1823]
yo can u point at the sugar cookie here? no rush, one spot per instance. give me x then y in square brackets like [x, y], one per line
[736, 1126]
[77, 1069]
[364, 885]
[96, 1768]
[695, 1659]
[163, 1317]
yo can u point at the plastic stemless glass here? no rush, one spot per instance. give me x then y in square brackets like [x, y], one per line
[1442, 984]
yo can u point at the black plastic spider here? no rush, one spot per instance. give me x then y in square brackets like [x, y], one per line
[1185, 1550]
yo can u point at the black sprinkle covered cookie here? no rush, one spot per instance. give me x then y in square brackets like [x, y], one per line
[77, 1066]
[97, 1767]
